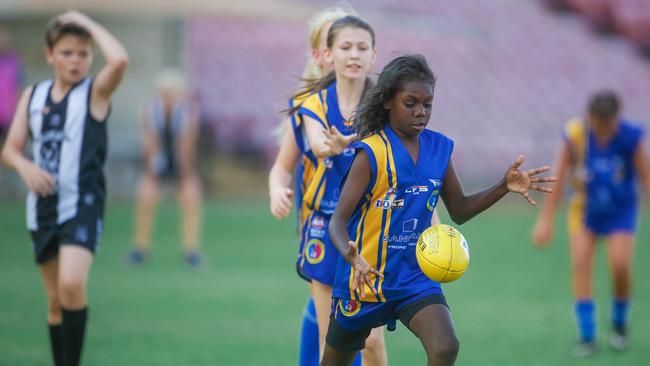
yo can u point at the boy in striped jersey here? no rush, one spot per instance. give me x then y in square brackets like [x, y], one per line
[65, 119]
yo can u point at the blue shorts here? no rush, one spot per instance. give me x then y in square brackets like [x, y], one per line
[359, 315]
[317, 256]
[351, 321]
[623, 219]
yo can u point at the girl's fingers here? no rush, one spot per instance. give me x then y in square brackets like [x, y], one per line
[376, 273]
[518, 162]
[370, 284]
[540, 188]
[543, 179]
[530, 200]
[536, 171]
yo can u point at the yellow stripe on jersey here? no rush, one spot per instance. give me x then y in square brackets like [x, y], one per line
[577, 136]
[575, 213]
[314, 104]
[392, 182]
[370, 231]
[307, 175]
[364, 211]
[315, 189]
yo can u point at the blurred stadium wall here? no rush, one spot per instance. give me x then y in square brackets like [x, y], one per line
[510, 73]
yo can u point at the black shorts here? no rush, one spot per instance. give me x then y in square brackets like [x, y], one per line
[351, 334]
[82, 230]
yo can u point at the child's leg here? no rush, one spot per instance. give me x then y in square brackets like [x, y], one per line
[50, 275]
[343, 345]
[620, 249]
[74, 267]
[147, 196]
[189, 197]
[583, 253]
[333, 357]
[375, 352]
[322, 295]
[434, 327]
[309, 347]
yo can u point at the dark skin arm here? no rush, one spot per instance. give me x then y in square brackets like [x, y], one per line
[462, 208]
[352, 193]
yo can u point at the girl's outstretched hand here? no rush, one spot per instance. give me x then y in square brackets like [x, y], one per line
[336, 141]
[364, 274]
[521, 182]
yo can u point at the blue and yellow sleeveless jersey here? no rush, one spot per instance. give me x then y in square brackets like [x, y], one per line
[322, 192]
[603, 177]
[307, 164]
[396, 207]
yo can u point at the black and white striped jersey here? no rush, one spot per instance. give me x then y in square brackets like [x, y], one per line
[69, 144]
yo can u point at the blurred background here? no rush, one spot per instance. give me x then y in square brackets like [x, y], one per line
[510, 74]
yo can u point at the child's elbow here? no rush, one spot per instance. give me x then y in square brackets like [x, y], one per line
[121, 63]
[458, 219]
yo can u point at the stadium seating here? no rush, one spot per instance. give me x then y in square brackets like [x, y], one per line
[507, 79]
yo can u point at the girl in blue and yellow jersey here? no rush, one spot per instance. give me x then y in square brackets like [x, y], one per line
[326, 114]
[605, 158]
[399, 171]
[294, 154]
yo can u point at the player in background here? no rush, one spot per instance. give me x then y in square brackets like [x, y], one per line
[170, 132]
[327, 112]
[293, 155]
[378, 279]
[603, 157]
[65, 120]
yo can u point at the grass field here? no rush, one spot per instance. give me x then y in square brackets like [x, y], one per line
[513, 307]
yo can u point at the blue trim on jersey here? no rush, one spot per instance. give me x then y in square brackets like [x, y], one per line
[313, 115]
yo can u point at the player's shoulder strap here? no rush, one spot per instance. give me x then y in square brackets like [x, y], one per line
[314, 107]
[380, 155]
[575, 132]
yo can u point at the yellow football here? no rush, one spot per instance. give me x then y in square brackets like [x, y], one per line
[442, 253]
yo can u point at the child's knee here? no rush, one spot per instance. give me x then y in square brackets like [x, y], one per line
[375, 342]
[444, 348]
[71, 288]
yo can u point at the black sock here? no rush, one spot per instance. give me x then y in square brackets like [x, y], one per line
[56, 341]
[74, 327]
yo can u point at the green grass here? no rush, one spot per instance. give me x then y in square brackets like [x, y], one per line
[513, 307]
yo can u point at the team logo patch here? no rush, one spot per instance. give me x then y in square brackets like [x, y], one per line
[314, 251]
[318, 222]
[349, 307]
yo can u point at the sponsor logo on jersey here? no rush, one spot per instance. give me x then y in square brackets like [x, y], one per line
[416, 190]
[318, 233]
[349, 307]
[409, 226]
[389, 201]
[314, 251]
[55, 120]
[392, 204]
[318, 222]
[401, 238]
[328, 163]
[435, 194]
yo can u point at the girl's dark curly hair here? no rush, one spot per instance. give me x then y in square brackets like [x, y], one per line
[372, 116]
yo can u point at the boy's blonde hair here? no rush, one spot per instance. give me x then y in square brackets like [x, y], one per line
[171, 80]
[316, 26]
